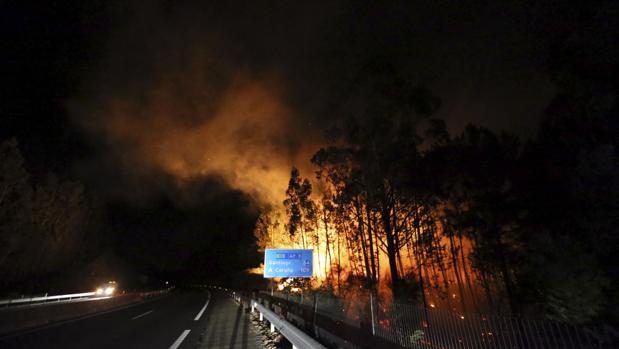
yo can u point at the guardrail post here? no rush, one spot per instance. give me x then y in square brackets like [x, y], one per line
[314, 315]
[372, 312]
[295, 336]
[261, 317]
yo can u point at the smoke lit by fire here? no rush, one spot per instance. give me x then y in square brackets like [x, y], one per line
[247, 139]
[190, 116]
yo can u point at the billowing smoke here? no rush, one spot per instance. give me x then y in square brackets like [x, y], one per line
[241, 91]
[246, 138]
[165, 100]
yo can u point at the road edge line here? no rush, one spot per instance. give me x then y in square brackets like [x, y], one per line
[203, 308]
[75, 319]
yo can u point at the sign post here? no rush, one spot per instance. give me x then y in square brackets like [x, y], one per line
[283, 263]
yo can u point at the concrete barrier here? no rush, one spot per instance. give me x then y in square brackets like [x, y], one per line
[13, 319]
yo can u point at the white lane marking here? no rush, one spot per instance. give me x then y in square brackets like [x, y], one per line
[180, 339]
[139, 316]
[79, 318]
[203, 309]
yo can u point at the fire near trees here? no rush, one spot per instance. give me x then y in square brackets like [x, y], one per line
[473, 222]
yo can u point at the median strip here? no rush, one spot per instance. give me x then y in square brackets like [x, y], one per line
[139, 316]
[180, 339]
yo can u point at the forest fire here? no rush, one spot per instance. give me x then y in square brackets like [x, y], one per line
[450, 173]
[433, 264]
[368, 218]
[364, 232]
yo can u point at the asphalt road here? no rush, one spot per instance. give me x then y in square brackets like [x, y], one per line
[180, 320]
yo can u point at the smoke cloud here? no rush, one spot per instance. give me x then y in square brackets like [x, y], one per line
[242, 91]
[247, 139]
[165, 100]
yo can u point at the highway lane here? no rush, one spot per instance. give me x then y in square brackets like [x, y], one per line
[175, 321]
[227, 326]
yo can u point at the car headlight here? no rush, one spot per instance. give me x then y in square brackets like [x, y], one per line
[109, 290]
[99, 291]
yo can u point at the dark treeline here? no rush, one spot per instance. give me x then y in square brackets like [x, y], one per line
[47, 227]
[58, 236]
[481, 219]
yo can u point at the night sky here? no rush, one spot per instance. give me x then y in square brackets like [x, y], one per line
[184, 117]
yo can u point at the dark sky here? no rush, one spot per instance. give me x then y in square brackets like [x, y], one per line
[197, 109]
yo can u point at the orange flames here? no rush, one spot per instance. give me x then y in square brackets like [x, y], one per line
[241, 131]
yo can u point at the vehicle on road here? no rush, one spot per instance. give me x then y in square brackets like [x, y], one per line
[107, 289]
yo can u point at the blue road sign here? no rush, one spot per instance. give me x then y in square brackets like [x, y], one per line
[279, 263]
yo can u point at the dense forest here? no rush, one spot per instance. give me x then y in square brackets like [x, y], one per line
[58, 236]
[477, 221]
[45, 227]
[395, 203]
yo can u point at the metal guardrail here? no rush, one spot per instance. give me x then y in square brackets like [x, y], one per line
[298, 338]
[155, 293]
[73, 296]
[44, 299]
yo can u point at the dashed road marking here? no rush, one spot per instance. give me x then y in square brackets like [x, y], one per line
[139, 316]
[180, 339]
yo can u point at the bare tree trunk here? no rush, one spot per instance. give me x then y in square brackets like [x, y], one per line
[454, 260]
[509, 283]
[391, 250]
[417, 252]
[376, 243]
[339, 262]
[328, 260]
[400, 264]
[467, 277]
[396, 234]
[484, 280]
[317, 243]
[371, 240]
[303, 236]
[360, 223]
[488, 291]
[353, 257]
[440, 258]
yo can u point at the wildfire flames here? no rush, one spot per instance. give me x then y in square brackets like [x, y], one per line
[442, 292]
[247, 138]
[191, 117]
